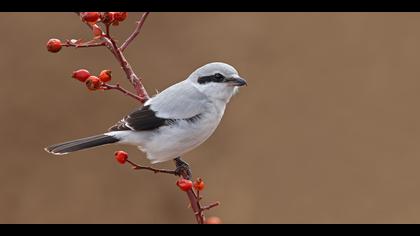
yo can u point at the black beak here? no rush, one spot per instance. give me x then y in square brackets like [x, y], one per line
[236, 81]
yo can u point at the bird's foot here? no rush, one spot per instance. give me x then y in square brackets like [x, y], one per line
[182, 168]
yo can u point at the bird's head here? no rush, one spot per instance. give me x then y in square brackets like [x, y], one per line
[217, 80]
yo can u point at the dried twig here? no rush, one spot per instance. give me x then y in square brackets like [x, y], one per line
[163, 171]
[118, 54]
[117, 87]
[194, 197]
[74, 43]
[135, 32]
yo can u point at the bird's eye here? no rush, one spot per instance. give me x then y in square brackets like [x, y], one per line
[218, 77]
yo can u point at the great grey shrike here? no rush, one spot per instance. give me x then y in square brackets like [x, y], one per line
[174, 121]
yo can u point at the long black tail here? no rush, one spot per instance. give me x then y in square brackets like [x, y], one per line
[76, 145]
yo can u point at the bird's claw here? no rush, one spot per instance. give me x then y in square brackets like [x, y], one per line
[183, 169]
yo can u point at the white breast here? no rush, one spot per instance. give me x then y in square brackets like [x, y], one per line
[172, 141]
[169, 142]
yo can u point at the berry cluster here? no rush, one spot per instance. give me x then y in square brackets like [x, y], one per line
[92, 82]
[105, 17]
[91, 18]
[185, 184]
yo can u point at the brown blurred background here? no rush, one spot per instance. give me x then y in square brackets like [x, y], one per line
[328, 130]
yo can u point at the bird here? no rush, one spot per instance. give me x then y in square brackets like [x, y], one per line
[174, 121]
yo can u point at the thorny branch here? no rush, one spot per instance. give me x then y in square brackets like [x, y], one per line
[135, 80]
[117, 87]
[131, 76]
[192, 196]
[141, 95]
[139, 167]
[77, 44]
[135, 32]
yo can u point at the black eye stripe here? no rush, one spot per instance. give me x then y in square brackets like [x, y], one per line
[217, 78]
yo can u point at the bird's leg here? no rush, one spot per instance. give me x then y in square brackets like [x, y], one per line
[182, 168]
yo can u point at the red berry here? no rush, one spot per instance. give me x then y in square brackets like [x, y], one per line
[120, 16]
[107, 17]
[90, 17]
[213, 221]
[121, 156]
[54, 45]
[93, 83]
[199, 184]
[82, 75]
[97, 31]
[105, 76]
[184, 184]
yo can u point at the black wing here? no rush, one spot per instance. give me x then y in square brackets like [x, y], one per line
[143, 119]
